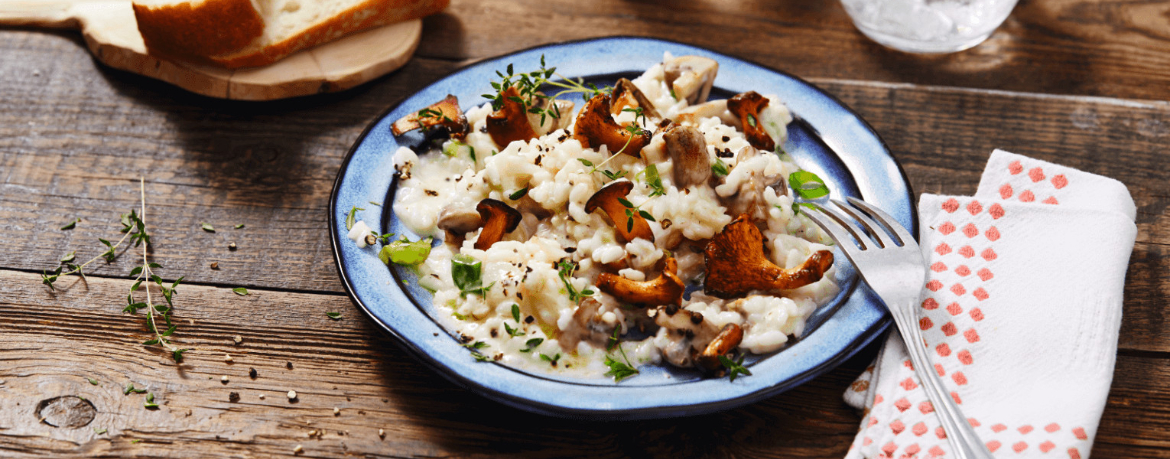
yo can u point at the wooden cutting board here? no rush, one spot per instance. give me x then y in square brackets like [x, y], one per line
[111, 33]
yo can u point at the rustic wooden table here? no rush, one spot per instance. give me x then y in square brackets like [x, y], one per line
[1079, 82]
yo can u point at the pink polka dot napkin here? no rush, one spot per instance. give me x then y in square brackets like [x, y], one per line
[1020, 315]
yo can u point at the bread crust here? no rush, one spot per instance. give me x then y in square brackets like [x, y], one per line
[194, 29]
[365, 15]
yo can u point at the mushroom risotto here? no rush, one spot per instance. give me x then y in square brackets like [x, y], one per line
[650, 226]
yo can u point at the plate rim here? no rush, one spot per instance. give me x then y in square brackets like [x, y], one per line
[866, 336]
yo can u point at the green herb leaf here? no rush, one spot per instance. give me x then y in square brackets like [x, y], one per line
[807, 185]
[406, 253]
[735, 367]
[68, 257]
[626, 202]
[646, 215]
[518, 194]
[350, 220]
[480, 357]
[466, 272]
[136, 441]
[241, 225]
[92, 381]
[97, 431]
[516, 313]
[177, 354]
[375, 203]
[619, 370]
[586, 162]
[207, 227]
[334, 315]
[130, 388]
[476, 345]
[551, 360]
[150, 401]
[797, 205]
[513, 331]
[72, 224]
[654, 181]
[532, 343]
[720, 168]
[241, 291]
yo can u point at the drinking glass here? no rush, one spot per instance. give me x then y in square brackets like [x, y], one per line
[928, 26]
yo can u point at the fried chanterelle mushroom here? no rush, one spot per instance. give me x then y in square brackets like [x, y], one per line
[629, 225]
[736, 264]
[444, 114]
[666, 289]
[498, 219]
[596, 127]
[626, 95]
[694, 341]
[748, 107]
[510, 122]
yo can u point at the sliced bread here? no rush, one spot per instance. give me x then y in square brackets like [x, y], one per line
[198, 28]
[287, 26]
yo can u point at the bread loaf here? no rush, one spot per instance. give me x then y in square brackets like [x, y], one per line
[287, 26]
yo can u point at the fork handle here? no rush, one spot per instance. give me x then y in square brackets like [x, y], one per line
[964, 442]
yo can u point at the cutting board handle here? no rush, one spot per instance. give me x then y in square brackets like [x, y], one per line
[44, 13]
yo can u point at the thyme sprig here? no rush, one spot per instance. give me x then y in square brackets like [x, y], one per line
[145, 273]
[131, 231]
[618, 369]
[529, 84]
[565, 270]
[631, 209]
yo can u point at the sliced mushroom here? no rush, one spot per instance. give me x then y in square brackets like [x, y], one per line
[626, 95]
[510, 122]
[713, 108]
[688, 154]
[498, 220]
[458, 220]
[596, 127]
[590, 326]
[607, 199]
[687, 331]
[666, 289]
[559, 115]
[749, 197]
[690, 78]
[748, 107]
[444, 114]
[736, 263]
[727, 340]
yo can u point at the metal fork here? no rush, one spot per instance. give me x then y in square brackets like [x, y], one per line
[895, 270]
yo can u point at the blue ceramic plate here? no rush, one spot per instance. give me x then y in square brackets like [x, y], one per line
[826, 138]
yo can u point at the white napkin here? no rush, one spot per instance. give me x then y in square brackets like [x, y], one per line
[1020, 315]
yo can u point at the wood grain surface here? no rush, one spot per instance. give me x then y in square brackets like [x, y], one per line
[1076, 82]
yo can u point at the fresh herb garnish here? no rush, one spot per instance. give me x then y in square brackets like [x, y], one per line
[565, 270]
[207, 227]
[532, 343]
[529, 84]
[618, 369]
[638, 113]
[406, 253]
[720, 168]
[654, 181]
[480, 357]
[734, 367]
[631, 209]
[551, 360]
[807, 185]
[513, 331]
[130, 388]
[241, 291]
[92, 381]
[241, 225]
[518, 194]
[350, 220]
[72, 224]
[467, 273]
[516, 313]
[476, 345]
[98, 431]
[334, 315]
[751, 120]
[68, 258]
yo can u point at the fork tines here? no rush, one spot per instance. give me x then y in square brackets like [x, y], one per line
[876, 226]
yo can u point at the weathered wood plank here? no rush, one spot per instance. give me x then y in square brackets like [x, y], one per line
[52, 342]
[271, 166]
[1117, 48]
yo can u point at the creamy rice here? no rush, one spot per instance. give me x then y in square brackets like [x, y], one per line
[521, 270]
